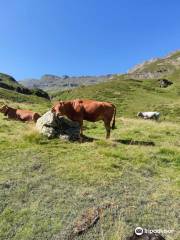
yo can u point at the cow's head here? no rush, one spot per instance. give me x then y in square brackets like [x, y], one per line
[4, 109]
[139, 114]
[59, 109]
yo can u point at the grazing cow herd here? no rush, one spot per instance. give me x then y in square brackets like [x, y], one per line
[77, 110]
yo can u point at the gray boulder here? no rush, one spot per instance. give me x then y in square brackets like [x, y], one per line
[52, 126]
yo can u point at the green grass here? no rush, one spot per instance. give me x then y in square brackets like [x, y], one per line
[46, 185]
[131, 96]
[19, 100]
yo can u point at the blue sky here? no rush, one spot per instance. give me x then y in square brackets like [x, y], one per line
[84, 37]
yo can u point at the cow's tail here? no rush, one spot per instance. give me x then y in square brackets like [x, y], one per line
[114, 115]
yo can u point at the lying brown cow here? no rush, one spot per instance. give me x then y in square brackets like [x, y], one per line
[18, 114]
[90, 110]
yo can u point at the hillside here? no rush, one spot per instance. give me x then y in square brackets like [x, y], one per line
[51, 82]
[48, 188]
[131, 96]
[152, 69]
[9, 83]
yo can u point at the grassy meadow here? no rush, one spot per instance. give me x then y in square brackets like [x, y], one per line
[46, 185]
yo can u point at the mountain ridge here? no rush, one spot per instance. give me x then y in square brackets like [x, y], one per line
[51, 82]
[151, 69]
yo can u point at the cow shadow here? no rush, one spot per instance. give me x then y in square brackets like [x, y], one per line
[122, 141]
[134, 142]
[87, 139]
[7, 119]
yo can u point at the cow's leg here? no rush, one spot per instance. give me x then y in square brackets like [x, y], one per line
[156, 118]
[81, 127]
[108, 128]
[81, 130]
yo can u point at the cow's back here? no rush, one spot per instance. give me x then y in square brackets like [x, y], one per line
[25, 115]
[95, 110]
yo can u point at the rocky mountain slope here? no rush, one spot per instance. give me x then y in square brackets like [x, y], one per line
[157, 67]
[52, 82]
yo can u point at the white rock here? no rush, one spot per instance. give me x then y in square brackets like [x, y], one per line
[52, 126]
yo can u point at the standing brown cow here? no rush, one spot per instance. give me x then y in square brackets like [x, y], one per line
[90, 110]
[18, 114]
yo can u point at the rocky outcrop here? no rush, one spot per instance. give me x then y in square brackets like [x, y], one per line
[164, 83]
[146, 74]
[52, 126]
[156, 68]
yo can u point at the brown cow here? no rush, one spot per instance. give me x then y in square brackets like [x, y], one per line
[18, 114]
[90, 110]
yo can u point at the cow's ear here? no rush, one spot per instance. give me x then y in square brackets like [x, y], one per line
[61, 103]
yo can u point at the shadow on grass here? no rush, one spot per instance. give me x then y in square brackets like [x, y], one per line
[123, 141]
[134, 142]
[88, 139]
